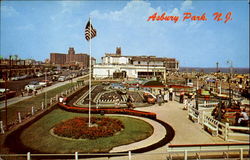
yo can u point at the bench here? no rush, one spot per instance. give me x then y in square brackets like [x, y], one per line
[193, 115]
[211, 125]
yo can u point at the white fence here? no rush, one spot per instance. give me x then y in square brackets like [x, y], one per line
[217, 128]
[199, 152]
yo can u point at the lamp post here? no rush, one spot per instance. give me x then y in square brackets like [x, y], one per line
[229, 78]
[220, 101]
[148, 67]
[45, 93]
[5, 77]
[197, 88]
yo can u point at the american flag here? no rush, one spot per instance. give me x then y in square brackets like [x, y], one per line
[90, 32]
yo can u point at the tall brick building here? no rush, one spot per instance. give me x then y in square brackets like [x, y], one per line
[70, 59]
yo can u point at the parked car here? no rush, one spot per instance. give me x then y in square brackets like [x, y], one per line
[149, 98]
[34, 85]
[2, 90]
[45, 83]
[23, 77]
[55, 77]
[15, 78]
[61, 79]
[9, 94]
[38, 74]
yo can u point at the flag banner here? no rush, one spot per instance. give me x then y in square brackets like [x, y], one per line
[90, 32]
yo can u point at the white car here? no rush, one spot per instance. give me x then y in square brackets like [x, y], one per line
[15, 78]
[45, 83]
[2, 90]
[39, 74]
[34, 85]
[61, 79]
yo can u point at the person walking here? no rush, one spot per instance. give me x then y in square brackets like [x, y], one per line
[130, 102]
[22, 93]
[170, 94]
[166, 96]
[117, 102]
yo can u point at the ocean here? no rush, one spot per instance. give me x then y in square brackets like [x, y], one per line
[211, 70]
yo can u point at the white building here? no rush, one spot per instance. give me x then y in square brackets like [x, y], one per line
[116, 65]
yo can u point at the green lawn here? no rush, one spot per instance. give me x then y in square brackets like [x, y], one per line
[25, 106]
[42, 140]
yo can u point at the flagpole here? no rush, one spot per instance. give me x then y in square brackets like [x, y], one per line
[90, 70]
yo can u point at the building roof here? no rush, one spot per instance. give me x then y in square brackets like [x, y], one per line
[150, 58]
[151, 83]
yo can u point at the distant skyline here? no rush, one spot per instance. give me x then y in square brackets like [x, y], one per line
[34, 29]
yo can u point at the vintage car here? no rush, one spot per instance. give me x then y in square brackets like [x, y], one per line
[45, 83]
[34, 85]
[149, 98]
[9, 94]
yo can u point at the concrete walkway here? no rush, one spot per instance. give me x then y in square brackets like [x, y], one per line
[158, 134]
[20, 98]
[186, 132]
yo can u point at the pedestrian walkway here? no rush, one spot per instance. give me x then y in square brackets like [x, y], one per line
[186, 132]
[158, 134]
[20, 98]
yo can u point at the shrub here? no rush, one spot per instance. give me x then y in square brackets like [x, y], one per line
[109, 111]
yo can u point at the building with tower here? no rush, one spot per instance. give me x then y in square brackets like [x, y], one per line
[114, 64]
[71, 59]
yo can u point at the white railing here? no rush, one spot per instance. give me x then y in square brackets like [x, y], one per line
[244, 137]
[193, 114]
[239, 151]
[208, 105]
[196, 151]
[217, 128]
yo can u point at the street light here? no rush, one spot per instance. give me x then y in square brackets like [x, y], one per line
[197, 88]
[5, 77]
[229, 78]
[45, 93]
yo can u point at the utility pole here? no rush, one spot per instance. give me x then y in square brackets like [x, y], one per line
[217, 67]
[5, 90]
[229, 82]
[196, 97]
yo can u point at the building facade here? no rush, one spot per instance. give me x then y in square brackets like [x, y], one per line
[134, 66]
[71, 59]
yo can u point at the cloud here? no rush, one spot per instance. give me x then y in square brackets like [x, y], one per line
[66, 8]
[8, 11]
[26, 27]
[134, 10]
[186, 5]
[137, 12]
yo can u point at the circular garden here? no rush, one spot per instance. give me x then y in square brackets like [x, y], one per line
[78, 128]
[105, 133]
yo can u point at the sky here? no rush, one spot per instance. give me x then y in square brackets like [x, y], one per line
[34, 29]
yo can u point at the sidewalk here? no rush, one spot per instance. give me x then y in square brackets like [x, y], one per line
[20, 98]
[186, 132]
[158, 134]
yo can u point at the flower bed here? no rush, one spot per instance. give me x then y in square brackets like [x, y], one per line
[77, 128]
[109, 111]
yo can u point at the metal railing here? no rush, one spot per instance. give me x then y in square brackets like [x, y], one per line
[240, 151]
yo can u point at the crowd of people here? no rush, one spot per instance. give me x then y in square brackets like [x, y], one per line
[240, 116]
